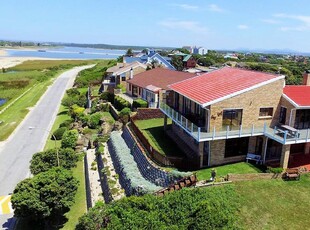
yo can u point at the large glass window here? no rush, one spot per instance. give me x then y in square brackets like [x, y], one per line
[186, 106]
[302, 120]
[232, 118]
[236, 147]
[282, 116]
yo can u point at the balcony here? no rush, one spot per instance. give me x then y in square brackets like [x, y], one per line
[200, 134]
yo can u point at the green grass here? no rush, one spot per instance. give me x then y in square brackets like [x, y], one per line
[153, 130]
[79, 207]
[238, 168]
[61, 117]
[275, 204]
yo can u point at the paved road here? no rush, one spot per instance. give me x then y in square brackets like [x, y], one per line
[17, 151]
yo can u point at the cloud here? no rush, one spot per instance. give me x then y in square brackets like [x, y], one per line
[243, 27]
[186, 6]
[215, 8]
[304, 20]
[270, 21]
[191, 26]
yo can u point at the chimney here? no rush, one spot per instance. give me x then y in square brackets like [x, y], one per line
[131, 73]
[306, 78]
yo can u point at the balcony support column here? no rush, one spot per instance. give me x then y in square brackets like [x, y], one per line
[285, 156]
[200, 149]
[265, 143]
[165, 122]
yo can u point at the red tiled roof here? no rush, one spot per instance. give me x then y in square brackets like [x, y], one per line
[221, 84]
[298, 94]
[159, 77]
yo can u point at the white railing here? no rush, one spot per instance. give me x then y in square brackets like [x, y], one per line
[201, 134]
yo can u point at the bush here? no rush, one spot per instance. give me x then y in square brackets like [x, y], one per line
[58, 133]
[124, 114]
[73, 92]
[69, 139]
[66, 123]
[44, 161]
[139, 103]
[107, 96]
[120, 103]
[205, 208]
[94, 120]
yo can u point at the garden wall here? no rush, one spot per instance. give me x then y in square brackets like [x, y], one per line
[147, 113]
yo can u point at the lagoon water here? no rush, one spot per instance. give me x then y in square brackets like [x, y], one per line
[67, 53]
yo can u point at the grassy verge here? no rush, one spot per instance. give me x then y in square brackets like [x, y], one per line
[79, 207]
[14, 114]
[240, 168]
[61, 117]
[153, 130]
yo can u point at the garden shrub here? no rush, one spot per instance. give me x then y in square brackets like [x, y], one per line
[124, 114]
[66, 123]
[139, 103]
[107, 96]
[69, 139]
[94, 120]
[120, 103]
[58, 133]
[73, 92]
[201, 209]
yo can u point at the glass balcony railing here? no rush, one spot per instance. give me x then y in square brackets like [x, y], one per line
[201, 134]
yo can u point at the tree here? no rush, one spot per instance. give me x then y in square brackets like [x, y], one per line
[129, 53]
[176, 61]
[44, 161]
[69, 139]
[46, 196]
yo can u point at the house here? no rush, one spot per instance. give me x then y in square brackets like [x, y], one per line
[151, 58]
[152, 85]
[189, 62]
[120, 73]
[225, 114]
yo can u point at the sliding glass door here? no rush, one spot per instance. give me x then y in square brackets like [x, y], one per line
[232, 118]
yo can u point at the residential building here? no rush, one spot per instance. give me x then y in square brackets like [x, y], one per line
[225, 114]
[200, 50]
[151, 58]
[120, 73]
[152, 85]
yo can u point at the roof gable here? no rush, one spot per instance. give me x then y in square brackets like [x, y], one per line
[222, 84]
[297, 95]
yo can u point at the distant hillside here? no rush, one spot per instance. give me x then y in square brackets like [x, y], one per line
[107, 46]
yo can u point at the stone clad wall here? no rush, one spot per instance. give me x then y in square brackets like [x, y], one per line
[265, 96]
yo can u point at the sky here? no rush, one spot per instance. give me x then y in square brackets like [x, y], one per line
[221, 24]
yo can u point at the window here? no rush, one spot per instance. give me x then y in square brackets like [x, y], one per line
[236, 147]
[282, 117]
[265, 112]
[186, 106]
[232, 118]
[124, 78]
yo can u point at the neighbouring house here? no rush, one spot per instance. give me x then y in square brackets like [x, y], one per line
[151, 58]
[120, 73]
[223, 115]
[152, 85]
[189, 62]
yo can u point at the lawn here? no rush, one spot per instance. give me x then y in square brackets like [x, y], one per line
[275, 204]
[79, 207]
[154, 131]
[238, 168]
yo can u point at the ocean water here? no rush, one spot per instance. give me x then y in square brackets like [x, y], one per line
[67, 53]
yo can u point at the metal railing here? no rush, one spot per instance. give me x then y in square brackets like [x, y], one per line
[201, 134]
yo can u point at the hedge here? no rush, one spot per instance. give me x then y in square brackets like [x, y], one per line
[120, 103]
[139, 103]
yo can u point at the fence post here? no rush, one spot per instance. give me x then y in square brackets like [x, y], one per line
[181, 120]
[240, 130]
[198, 133]
[192, 128]
[274, 130]
[186, 123]
[252, 132]
[307, 135]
